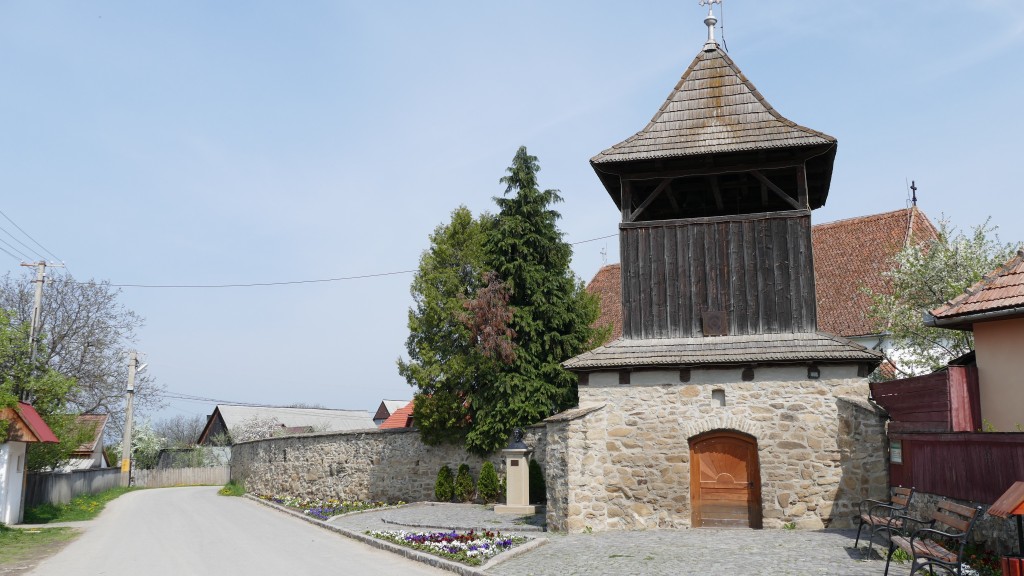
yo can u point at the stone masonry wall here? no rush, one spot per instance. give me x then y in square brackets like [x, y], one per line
[821, 446]
[369, 465]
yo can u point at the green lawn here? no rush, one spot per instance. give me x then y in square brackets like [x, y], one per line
[84, 507]
[17, 547]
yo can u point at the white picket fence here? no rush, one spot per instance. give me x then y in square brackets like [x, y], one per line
[164, 477]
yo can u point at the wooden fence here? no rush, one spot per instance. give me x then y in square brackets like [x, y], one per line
[976, 467]
[946, 401]
[61, 487]
[164, 477]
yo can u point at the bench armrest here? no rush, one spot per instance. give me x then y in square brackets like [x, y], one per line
[886, 510]
[866, 505]
[907, 528]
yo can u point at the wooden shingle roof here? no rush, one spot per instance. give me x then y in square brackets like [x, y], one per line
[713, 109]
[998, 295]
[723, 350]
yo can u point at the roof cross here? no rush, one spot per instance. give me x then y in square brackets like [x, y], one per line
[710, 22]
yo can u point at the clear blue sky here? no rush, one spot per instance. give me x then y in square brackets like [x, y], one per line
[236, 142]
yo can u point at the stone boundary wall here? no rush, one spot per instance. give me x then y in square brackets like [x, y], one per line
[385, 465]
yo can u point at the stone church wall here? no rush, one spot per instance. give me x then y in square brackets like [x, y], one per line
[625, 463]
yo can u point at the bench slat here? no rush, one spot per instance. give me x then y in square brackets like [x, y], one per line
[951, 521]
[958, 509]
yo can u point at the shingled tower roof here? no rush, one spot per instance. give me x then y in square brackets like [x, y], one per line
[713, 109]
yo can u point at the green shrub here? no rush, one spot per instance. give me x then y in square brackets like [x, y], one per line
[444, 488]
[488, 486]
[538, 491]
[465, 489]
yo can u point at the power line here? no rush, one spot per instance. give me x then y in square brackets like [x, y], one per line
[11, 255]
[12, 247]
[254, 284]
[29, 236]
[27, 247]
[294, 282]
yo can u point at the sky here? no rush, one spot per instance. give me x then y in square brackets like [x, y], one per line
[198, 143]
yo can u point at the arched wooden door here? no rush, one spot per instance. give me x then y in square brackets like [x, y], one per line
[725, 480]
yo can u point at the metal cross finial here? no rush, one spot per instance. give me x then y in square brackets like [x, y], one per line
[710, 22]
[913, 188]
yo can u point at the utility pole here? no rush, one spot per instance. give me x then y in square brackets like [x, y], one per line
[126, 441]
[37, 316]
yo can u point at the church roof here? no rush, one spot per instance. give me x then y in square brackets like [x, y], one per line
[713, 109]
[799, 347]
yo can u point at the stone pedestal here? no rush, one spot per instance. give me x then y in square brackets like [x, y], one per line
[517, 489]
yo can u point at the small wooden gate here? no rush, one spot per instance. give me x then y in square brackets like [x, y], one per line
[725, 480]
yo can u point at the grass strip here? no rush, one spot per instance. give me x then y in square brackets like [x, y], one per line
[82, 507]
[18, 546]
[232, 488]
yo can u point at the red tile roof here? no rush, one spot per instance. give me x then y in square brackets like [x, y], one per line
[401, 418]
[606, 286]
[34, 422]
[853, 254]
[848, 255]
[1002, 290]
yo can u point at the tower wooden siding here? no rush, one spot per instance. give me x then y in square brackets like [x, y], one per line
[757, 269]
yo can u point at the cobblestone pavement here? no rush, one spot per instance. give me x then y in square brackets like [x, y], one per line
[710, 552]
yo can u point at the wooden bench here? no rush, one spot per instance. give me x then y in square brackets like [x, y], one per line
[881, 516]
[930, 548]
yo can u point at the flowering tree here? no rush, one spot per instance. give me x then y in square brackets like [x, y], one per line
[256, 428]
[925, 276]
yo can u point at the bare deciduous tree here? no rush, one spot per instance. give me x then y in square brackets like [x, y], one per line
[180, 431]
[86, 334]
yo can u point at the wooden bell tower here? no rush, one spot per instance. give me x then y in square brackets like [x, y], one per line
[716, 194]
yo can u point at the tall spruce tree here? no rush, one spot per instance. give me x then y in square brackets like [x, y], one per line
[497, 309]
[551, 313]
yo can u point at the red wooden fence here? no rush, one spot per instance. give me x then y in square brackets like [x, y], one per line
[946, 401]
[975, 466]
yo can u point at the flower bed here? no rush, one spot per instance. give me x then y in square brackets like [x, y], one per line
[469, 548]
[325, 509]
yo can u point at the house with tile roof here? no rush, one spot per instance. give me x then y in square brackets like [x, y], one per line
[850, 256]
[90, 454]
[401, 418]
[993, 309]
[386, 409]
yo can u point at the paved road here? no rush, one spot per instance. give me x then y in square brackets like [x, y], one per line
[194, 531]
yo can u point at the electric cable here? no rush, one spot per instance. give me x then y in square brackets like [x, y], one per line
[29, 236]
[294, 282]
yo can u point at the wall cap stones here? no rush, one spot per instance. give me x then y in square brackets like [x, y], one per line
[574, 413]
